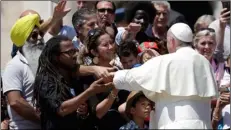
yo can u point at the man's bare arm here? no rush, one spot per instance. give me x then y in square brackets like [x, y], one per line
[21, 106]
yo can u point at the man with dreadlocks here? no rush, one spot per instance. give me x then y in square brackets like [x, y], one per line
[55, 85]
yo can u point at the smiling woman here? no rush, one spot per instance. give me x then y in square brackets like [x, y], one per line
[205, 44]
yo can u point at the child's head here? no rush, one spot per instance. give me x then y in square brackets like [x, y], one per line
[128, 54]
[148, 50]
[138, 106]
[147, 55]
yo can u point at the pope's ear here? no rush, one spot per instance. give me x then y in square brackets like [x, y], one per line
[173, 42]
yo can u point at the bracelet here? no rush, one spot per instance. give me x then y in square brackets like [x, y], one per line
[83, 116]
[216, 118]
[113, 95]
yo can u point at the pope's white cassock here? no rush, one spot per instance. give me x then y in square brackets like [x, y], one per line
[181, 84]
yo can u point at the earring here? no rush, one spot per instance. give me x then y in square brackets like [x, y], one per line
[96, 60]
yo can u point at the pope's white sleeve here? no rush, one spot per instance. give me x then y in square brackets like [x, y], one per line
[123, 81]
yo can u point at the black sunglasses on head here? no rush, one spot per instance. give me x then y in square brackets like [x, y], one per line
[102, 10]
[209, 29]
[93, 32]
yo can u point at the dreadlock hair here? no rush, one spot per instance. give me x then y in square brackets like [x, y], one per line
[91, 43]
[47, 69]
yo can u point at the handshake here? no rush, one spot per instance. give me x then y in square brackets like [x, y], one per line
[105, 77]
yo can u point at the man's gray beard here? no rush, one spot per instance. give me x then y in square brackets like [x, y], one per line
[32, 53]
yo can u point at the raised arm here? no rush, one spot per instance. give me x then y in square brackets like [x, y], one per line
[128, 32]
[59, 13]
[223, 20]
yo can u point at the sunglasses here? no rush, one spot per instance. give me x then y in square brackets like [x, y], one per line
[103, 10]
[35, 35]
[70, 52]
[41, 21]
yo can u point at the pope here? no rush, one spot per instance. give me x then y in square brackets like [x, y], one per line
[180, 83]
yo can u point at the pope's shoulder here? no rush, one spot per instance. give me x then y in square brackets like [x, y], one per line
[183, 55]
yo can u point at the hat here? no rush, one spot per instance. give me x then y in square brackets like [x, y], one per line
[133, 95]
[22, 29]
[151, 53]
[147, 45]
[182, 32]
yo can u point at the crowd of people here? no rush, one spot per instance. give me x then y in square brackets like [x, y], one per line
[117, 68]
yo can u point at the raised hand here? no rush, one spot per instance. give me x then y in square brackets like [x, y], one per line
[224, 17]
[133, 28]
[60, 11]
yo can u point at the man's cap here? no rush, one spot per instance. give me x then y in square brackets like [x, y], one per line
[22, 29]
[182, 32]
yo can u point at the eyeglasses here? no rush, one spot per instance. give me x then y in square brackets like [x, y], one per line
[102, 10]
[70, 52]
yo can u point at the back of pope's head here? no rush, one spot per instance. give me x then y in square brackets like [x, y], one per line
[181, 32]
[22, 29]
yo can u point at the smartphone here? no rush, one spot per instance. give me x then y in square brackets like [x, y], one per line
[226, 4]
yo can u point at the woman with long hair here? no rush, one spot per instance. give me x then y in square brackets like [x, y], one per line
[100, 50]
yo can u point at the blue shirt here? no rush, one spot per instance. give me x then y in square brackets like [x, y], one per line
[131, 125]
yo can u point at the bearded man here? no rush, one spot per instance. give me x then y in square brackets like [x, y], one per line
[18, 77]
[59, 13]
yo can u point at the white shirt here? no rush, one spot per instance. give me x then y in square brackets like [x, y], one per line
[181, 84]
[226, 109]
[18, 76]
[119, 35]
